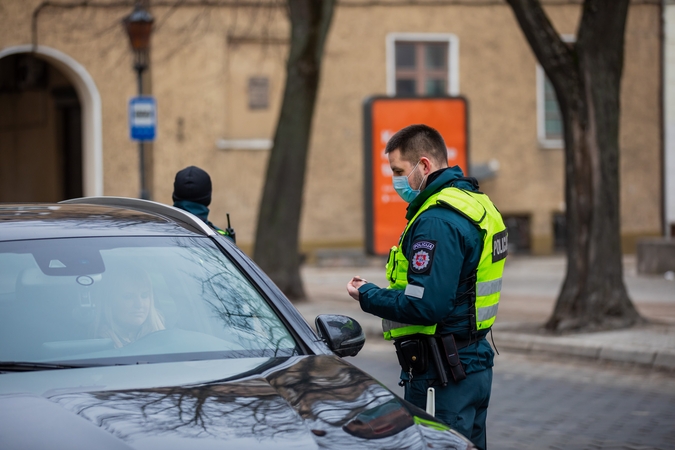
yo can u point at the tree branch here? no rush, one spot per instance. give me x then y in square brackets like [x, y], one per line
[271, 4]
[558, 58]
[551, 51]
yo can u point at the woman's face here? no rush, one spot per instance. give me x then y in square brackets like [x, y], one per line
[131, 303]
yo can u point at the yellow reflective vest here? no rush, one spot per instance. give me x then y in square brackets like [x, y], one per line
[478, 208]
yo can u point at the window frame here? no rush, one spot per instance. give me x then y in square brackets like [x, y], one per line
[452, 42]
[544, 142]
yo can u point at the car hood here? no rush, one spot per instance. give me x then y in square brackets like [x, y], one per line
[306, 402]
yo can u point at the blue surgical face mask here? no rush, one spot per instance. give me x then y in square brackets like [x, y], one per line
[403, 188]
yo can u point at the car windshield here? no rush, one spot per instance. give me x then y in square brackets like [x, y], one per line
[130, 300]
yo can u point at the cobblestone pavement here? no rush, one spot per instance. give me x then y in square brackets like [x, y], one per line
[546, 403]
[542, 403]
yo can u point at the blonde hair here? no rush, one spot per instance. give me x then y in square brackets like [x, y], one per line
[105, 325]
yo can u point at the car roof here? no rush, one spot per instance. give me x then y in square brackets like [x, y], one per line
[96, 216]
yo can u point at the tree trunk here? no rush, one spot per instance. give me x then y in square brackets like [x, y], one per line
[276, 244]
[586, 76]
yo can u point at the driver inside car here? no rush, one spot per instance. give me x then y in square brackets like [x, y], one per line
[127, 311]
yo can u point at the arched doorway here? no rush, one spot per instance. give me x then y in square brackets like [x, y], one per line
[50, 127]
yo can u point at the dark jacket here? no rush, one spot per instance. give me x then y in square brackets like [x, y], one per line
[202, 212]
[446, 280]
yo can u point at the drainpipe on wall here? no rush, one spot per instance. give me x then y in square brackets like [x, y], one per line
[668, 115]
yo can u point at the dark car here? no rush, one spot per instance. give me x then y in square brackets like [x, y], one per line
[129, 324]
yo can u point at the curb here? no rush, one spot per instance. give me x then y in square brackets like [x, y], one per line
[657, 359]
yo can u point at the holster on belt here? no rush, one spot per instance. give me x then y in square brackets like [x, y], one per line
[452, 357]
[413, 355]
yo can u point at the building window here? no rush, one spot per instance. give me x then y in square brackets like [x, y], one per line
[421, 68]
[549, 120]
[422, 64]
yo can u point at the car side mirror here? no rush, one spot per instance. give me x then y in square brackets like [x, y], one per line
[343, 335]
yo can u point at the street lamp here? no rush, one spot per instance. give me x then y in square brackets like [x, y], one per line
[138, 26]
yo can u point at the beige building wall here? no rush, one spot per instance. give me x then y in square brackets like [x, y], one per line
[201, 88]
[641, 125]
[202, 61]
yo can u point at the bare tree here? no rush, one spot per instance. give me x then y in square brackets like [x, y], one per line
[277, 234]
[586, 76]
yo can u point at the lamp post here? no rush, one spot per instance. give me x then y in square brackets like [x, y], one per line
[138, 26]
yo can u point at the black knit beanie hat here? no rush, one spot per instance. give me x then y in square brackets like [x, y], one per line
[193, 184]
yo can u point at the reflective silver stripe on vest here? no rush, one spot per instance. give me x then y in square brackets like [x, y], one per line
[488, 312]
[488, 287]
[414, 291]
[388, 325]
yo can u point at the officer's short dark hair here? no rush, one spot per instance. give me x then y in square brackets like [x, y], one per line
[415, 141]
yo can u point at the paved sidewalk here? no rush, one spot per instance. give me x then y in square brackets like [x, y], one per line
[530, 287]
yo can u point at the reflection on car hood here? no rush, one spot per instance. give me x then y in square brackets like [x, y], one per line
[306, 402]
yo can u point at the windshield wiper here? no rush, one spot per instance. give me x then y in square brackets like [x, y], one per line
[21, 366]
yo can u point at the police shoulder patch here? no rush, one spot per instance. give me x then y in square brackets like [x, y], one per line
[422, 256]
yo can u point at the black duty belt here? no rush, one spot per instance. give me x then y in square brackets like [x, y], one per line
[465, 343]
[415, 353]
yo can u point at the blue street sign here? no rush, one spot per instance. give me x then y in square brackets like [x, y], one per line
[142, 118]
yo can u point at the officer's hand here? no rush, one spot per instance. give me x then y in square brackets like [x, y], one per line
[353, 287]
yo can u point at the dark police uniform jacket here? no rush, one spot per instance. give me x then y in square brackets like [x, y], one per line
[446, 278]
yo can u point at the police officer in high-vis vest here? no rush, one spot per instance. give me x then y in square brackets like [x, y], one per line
[445, 278]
